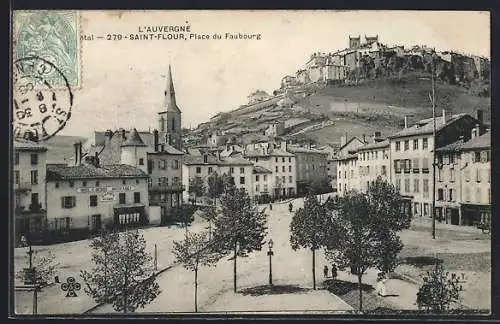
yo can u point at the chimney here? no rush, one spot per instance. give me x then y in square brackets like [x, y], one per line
[343, 140]
[364, 138]
[479, 116]
[284, 146]
[77, 153]
[96, 160]
[475, 131]
[155, 140]
[123, 133]
[444, 116]
[406, 121]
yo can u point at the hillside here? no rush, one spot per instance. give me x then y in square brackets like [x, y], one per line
[325, 113]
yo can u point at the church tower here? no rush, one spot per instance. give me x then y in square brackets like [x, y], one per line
[169, 118]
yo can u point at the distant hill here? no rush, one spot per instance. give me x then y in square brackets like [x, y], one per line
[327, 112]
[60, 148]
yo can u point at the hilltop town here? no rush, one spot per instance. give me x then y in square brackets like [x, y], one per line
[125, 178]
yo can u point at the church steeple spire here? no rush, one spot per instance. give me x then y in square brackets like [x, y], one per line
[169, 102]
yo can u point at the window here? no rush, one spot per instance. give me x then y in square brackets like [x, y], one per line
[426, 188]
[425, 165]
[289, 168]
[415, 166]
[137, 181]
[205, 158]
[84, 183]
[242, 170]
[397, 166]
[34, 159]
[283, 179]
[415, 144]
[16, 177]
[162, 164]
[210, 170]
[175, 164]
[407, 145]
[141, 161]
[452, 175]
[175, 180]
[257, 178]
[290, 179]
[16, 158]
[416, 185]
[440, 194]
[34, 177]
[407, 165]
[398, 146]
[340, 174]
[150, 182]
[257, 188]
[96, 221]
[384, 170]
[276, 159]
[452, 158]
[283, 159]
[265, 187]
[440, 175]
[477, 157]
[398, 184]
[93, 200]
[276, 168]
[231, 170]
[407, 185]
[68, 202]
[426, 209]
[137, 197]
[97, 183]
[450, 195]
[121, 198]
[124, 182]
[265, 177]
[290, 159]
[198, 169]
[242, 180]
[283, 169]
[425, 143]
[478, 175]
[352, 174]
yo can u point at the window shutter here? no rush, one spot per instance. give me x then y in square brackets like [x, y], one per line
[62, 202]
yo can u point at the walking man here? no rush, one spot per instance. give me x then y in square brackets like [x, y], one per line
[334, 271]
[325, 271]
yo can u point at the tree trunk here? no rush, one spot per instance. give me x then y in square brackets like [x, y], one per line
[234, 265]
[314, 268]
[360, 293]
[196, 287]
[105, 277]
[209, 230]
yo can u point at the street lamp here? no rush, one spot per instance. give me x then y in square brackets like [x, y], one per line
[270, 254]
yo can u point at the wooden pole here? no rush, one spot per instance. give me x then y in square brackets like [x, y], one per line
[433, 157]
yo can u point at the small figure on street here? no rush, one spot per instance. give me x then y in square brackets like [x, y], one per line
[381, 279]
[290, 207]
[325, 271]
[270, 206]
[334, 271]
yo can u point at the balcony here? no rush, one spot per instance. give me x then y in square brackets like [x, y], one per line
[22, 186]
[176, 187]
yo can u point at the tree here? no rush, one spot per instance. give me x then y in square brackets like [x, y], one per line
[129, 283]
[241, 226]
[362, 230]
[196, 187]
[194, 252]
[307, 229]
[215, 186]
[209, 214]
[279, 188]
[44, 265]
[440, 290]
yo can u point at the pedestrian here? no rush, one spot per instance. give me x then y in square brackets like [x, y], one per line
[290, 207]
[325, 271]
[334, 271]
[270, 206]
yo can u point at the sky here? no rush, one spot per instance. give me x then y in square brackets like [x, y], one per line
[122, 82]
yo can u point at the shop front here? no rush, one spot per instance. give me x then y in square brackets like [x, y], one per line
[129, 215]
[475, 214]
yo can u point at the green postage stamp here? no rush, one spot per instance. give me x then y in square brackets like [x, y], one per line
[52, 36]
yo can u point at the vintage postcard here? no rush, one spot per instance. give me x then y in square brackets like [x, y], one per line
[243, 162]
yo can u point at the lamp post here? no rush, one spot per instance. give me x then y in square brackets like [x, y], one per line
[270, 254]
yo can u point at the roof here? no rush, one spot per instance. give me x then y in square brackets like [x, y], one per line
[57, 172]
[234, 161]
[29, 146]
[345, 157]
[425, 126]
[349, 141]
[452, 147]
[259, 169]
[273, 152]
[133, 139]
[375, 145]
[298, 149]
[167, 149]
[169, 103]
[479, 142]
[199, 160]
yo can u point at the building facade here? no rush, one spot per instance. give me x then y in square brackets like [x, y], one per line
[262, 181]
[346, 160]
[373, 162]
[310, 166]
[29, 178]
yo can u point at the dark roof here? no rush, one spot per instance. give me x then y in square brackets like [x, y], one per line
[349, 141]
[167, 149]
[133, 139]
[298, 149]
[273, 152]
[29, 146]
[425, 126]
[483, 141]
[57, 172]
[234, 161]
[198, 159]
[375, 145]
[345, 157]
[259, 169]
[452, 147]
